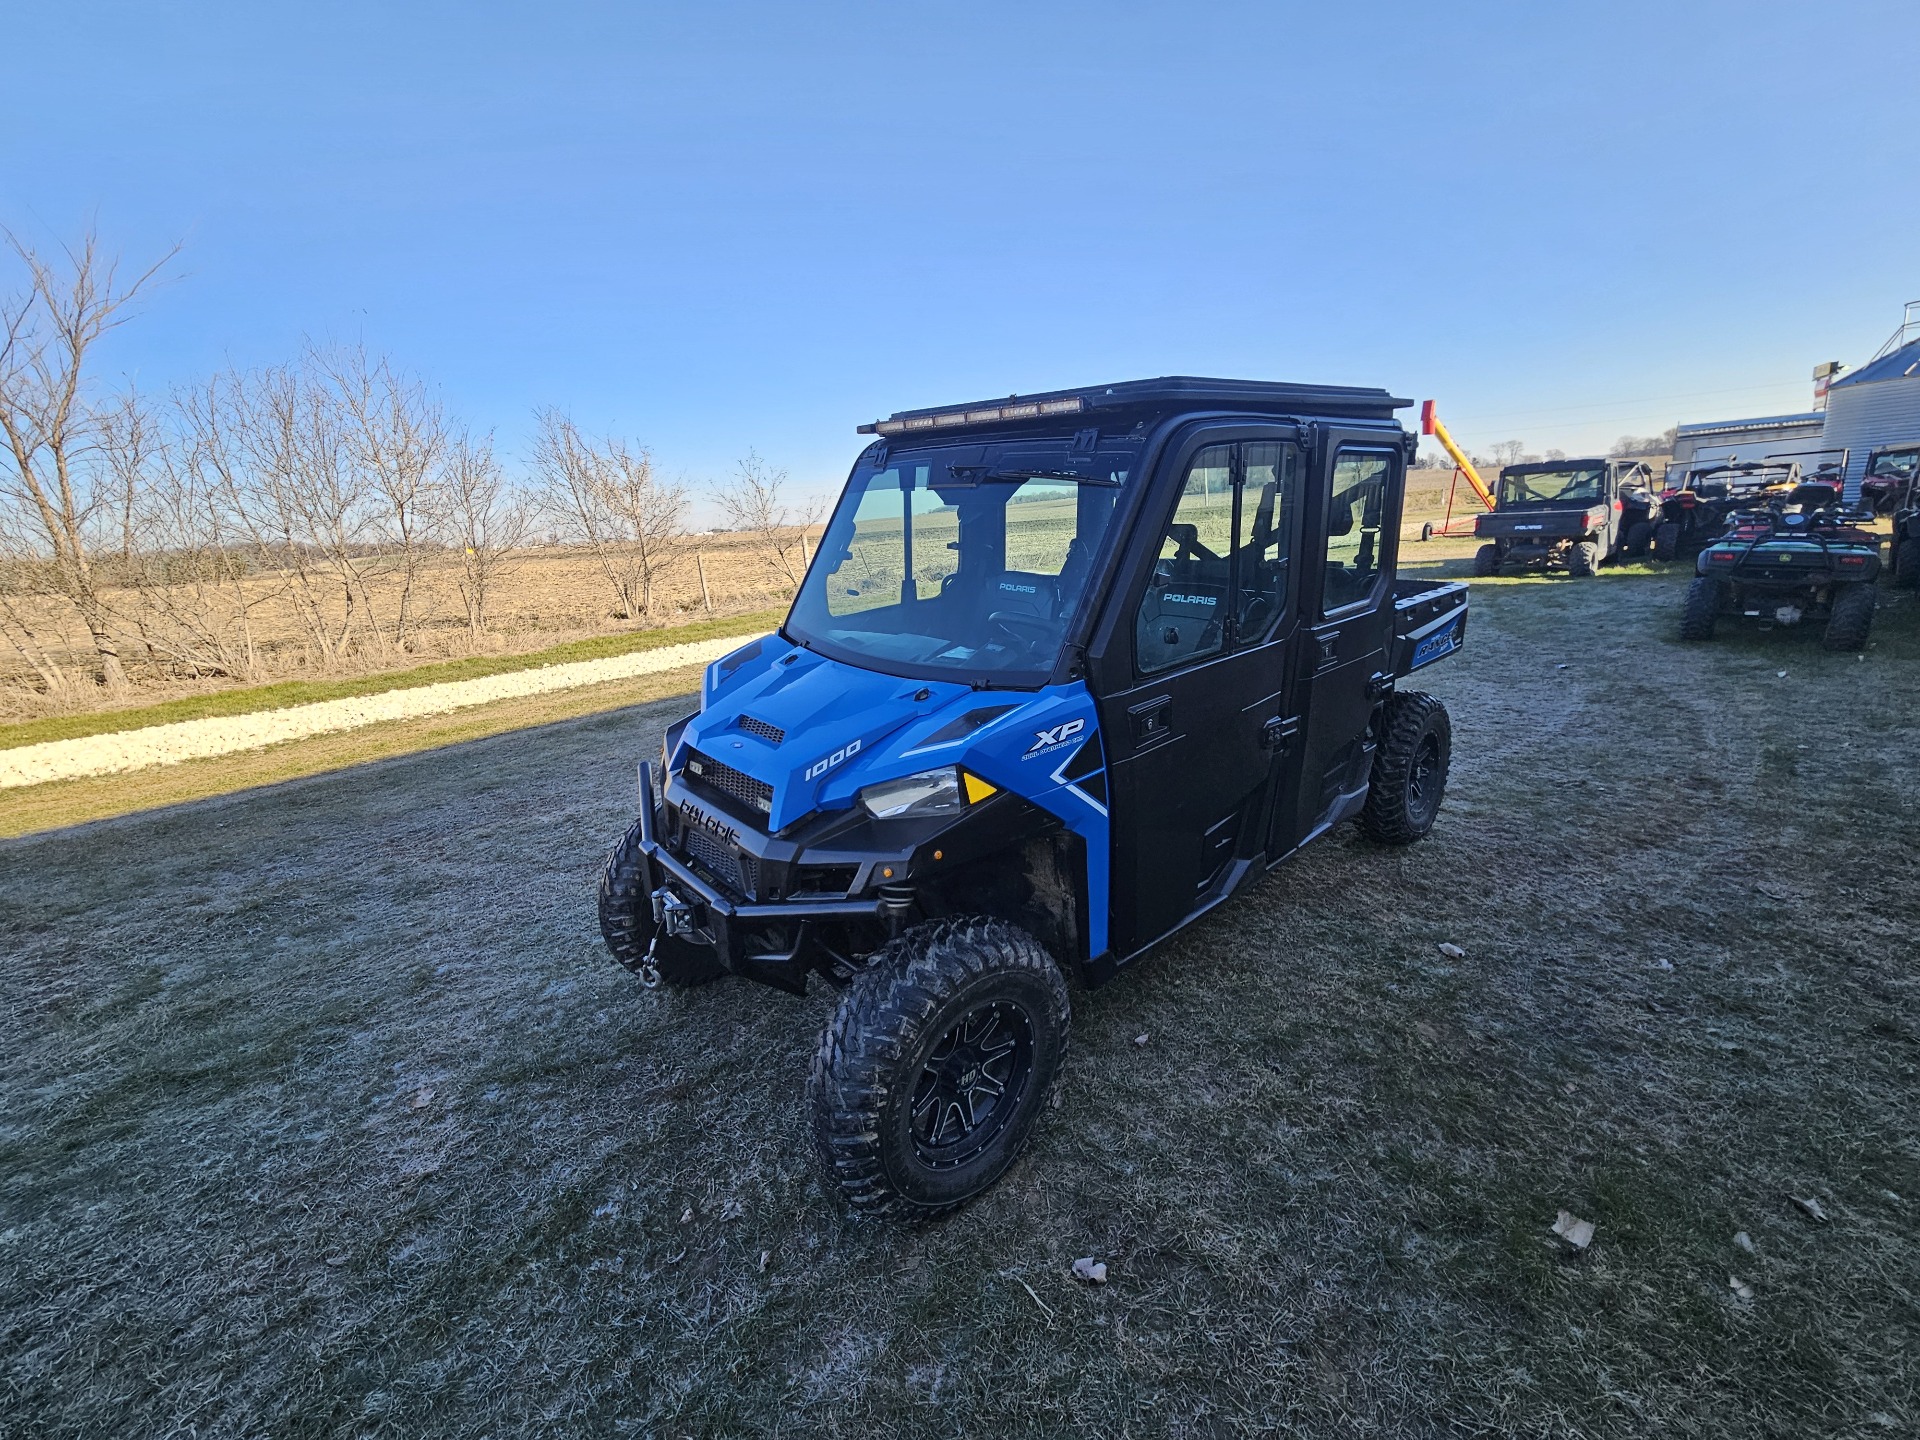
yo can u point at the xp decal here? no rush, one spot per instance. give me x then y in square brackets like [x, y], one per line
[1054, 737]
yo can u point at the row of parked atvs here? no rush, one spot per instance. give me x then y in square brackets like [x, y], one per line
[1772, 544]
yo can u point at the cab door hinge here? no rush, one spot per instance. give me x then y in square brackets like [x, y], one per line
[1379, 686]
[1278, 733]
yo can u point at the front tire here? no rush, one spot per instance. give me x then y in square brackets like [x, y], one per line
[1409, 770]
[1584, 559]
[1486, 560]
[1906, 564]
[1704, 599]
[931, 1074]
[1639, 540]
[1852, 618]
[626, 922]
[1666, 540]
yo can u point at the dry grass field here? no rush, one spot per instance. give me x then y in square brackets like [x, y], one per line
[324, 1115]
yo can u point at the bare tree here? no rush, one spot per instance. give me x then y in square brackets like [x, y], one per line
[305, 483]
[487, 519]
[189, 560]
[24, 585]
[606, 496]
[47, 332]
[1508, 452]
[396, 437]
[754, 503]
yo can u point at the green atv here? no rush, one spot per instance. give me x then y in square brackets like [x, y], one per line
[1783, 566]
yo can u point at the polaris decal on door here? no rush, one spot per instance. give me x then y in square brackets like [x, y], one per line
[1058, 735]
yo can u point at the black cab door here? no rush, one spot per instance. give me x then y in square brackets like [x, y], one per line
[1353, 515]
[1195, 727]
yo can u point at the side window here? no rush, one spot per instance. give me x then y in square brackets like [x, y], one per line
[1266, 510]
[1355, 512]
[1182, 617]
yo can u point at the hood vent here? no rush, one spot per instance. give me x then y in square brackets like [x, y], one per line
[772, 734]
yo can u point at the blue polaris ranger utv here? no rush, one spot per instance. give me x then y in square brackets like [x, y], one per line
[1067, 671]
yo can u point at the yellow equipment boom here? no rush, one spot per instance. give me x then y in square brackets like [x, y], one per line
[1430, 424]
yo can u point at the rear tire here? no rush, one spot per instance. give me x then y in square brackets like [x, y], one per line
[1639, 540]
[1704, 599]
[1486, 560]
[1409, 770]
[1906, 564]
[1852, 618]
[1426, 530]
[1666, 540]
[933, 1069]
[1584, 559]
[626, 921]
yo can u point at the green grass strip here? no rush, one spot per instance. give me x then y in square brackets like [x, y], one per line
[304, 692]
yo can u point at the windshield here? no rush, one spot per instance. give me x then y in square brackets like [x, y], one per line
[963, 561]
[1896, 465]
[1545, 487]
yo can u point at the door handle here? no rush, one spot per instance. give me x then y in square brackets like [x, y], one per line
[1278, 733]
[1152, 721]
[1329, 642]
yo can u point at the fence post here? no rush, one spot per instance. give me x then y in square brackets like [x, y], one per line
[700, 564]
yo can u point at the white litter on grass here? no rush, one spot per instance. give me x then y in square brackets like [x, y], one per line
[1090, 1269]
[1744, 1241]
[223, 735]
[1571, 1228]
[1739, 1287]
[1451, 951]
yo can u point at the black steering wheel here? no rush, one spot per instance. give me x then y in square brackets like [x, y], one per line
[1020, 627]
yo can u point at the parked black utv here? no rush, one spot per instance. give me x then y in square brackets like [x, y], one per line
[1566, 514]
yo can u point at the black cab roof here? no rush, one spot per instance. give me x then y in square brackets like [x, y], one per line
[1535, 467]
[1168, 392]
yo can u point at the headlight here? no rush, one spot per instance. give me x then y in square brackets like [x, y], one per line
[931, 792]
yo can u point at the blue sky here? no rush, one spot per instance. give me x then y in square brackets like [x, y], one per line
[730, 225]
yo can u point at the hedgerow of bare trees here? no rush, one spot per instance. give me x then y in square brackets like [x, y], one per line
[311, 513]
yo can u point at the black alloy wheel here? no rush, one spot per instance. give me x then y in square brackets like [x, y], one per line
[972, 1084]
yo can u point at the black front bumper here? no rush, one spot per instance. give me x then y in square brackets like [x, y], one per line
[705, 915]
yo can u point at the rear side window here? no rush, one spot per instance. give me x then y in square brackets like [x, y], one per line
[1356, 509]
[1182, 617]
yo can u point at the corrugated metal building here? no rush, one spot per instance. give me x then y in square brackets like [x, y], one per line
[1878, 404]
[1747, 439]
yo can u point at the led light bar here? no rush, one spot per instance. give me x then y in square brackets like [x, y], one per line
[992, 414]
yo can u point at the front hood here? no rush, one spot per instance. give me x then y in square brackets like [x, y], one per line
[816, 730]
